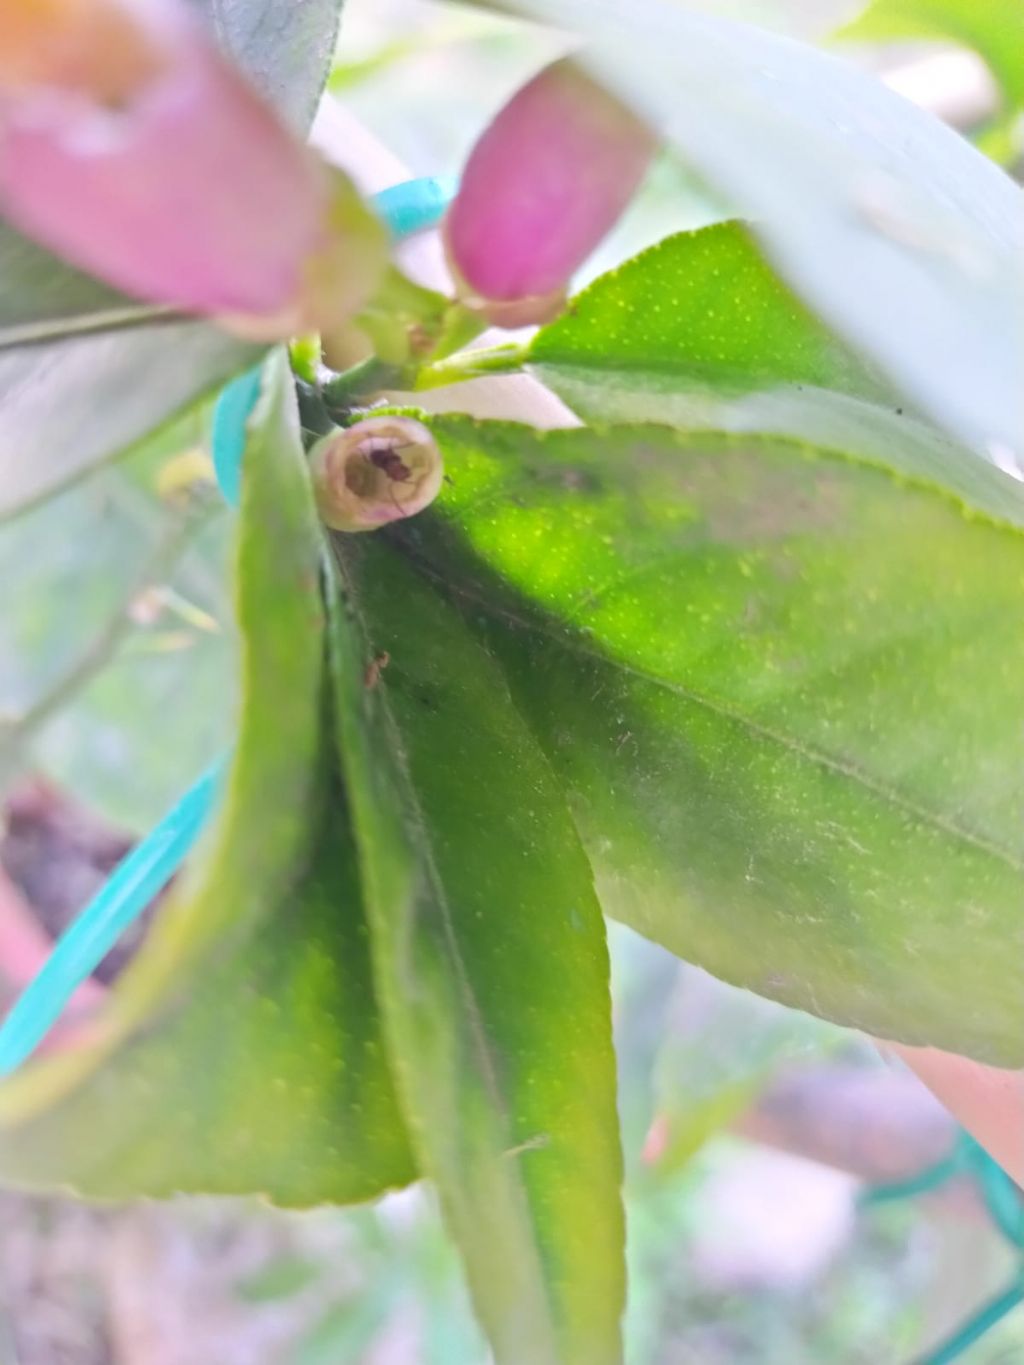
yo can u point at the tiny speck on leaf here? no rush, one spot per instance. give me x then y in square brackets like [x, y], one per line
[374, 669]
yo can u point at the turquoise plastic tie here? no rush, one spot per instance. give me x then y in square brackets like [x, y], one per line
[227, 432]
[1005, 1205]
[413, 207]
[416, 205]
[95, 930]
[983, 1321]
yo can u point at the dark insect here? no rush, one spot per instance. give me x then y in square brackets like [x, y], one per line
[385, 457]
[388, 461]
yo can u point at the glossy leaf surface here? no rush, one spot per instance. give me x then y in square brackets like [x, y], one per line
[286, 48]
[781, 687]
[490, 963]
[699, 332]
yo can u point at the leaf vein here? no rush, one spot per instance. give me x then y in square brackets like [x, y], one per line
[925, 816]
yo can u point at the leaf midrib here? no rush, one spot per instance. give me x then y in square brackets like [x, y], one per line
[930, 819]
[484, 1048]
[54, 330]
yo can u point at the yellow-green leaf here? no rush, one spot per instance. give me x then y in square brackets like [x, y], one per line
[699, 332]
[993, 28]
[241, 1050]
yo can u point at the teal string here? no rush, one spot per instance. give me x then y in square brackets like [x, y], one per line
[227, 432]
[1002, 1196]
[89, 938]
[983, 1321]
[407, 209]
[1005, 1206]
[922, 1183]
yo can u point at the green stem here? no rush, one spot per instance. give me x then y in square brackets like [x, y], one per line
[362, 381]
[366, 379]
[15, 733]
[509, 358]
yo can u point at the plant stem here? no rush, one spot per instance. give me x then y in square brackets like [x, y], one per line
[509, 358]
[360, 382]
[15, 733]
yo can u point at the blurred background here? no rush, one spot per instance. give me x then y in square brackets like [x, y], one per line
[755, 1136]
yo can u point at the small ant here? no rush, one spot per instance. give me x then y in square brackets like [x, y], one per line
[390, 463]
[386, 458]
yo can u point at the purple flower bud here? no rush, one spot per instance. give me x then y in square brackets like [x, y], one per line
[543, 186]
[149, 161]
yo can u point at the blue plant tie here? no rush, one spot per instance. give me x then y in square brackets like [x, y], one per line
[1004, 1202]
[973, 1330]
[407, 209]
[95, 930]
[227, 431]
[416, 205]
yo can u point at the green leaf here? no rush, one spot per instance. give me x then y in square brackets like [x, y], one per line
[889, 224]
[699, 332]
[70, 401]
[286, 48]
[44, 299]
[490, 964]
[781, 687]
[705, 310]
[87, 674]
[994, 28]
[279, 1279]
[240, 1051]
[69, 405]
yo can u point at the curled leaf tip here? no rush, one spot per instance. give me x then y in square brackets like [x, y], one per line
[380, 470]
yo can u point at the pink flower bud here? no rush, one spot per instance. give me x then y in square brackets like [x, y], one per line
[337, 279]
[132, 148]
[543, 186]
[76, 44]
